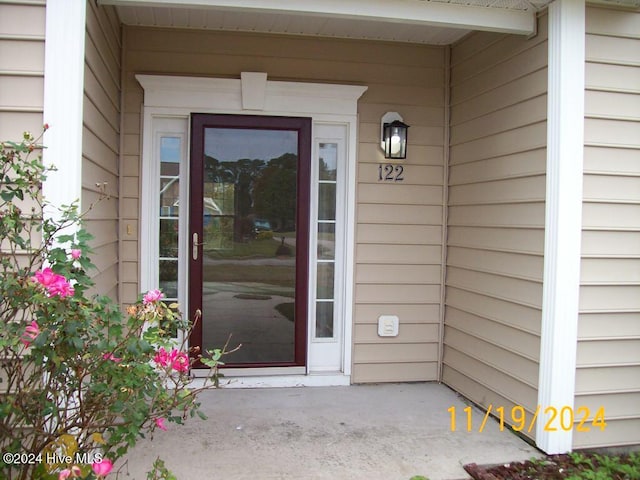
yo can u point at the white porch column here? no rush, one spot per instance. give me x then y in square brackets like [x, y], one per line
[563, 224]
[63, 97]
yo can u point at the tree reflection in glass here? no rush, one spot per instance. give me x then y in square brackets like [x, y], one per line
[249, 230]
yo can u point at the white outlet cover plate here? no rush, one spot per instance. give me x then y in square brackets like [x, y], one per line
[388, 325]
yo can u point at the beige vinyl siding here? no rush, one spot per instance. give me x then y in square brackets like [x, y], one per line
[495, 236]
[399, 226]
[129, 200]
[101, 142]
[22, 33]
[22, 30]
[608, 363]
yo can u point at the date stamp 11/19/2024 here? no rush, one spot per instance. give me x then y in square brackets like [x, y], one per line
[520, 420]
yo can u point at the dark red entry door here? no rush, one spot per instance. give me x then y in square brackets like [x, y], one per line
[249, 236]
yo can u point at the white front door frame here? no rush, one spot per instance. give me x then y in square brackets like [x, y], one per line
[177, 97]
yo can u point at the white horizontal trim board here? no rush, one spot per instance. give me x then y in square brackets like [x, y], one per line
[563, 224]
[398, 11]
[215, 94]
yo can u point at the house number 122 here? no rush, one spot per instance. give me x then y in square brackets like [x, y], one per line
[390, 173]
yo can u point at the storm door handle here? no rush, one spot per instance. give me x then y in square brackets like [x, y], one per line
[194, 250]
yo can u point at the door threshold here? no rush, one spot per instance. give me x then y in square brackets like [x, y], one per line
[265, 380]
[252, 371]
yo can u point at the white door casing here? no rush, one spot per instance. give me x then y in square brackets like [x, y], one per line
[168, 104]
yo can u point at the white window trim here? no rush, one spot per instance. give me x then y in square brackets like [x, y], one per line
[318, 345]
[563, 224]
[63, 101]
[175, 96]
[149, 250]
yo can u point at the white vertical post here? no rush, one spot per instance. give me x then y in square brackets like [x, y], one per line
[63, 98]
[563, 223]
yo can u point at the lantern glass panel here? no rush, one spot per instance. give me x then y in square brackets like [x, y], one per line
[395, 140]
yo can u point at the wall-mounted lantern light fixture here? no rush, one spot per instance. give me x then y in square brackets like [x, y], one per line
[393, 135]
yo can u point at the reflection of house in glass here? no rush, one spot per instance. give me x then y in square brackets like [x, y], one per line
[168, 235]
[219, 215]
[169, 197]
[169, 176]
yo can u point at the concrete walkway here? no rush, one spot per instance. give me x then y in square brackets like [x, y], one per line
[372, 432]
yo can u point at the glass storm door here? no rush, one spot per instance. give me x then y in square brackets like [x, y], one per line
[248, 235]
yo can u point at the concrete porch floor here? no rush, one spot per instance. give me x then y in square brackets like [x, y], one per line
[372, 432]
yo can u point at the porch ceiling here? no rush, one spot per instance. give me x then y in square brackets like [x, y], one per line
[435, 22]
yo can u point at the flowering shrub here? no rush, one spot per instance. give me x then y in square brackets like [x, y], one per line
[80, 381]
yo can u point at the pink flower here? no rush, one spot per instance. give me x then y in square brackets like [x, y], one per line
[160, 423]
[30, 333]
[45, 277]
[76, 253]
[75, 472]
[179, 361]
[102, 468]
[162, 357]
[62, 288]
[152, 296]
[112, 357]
[64, 474]
[54, 284]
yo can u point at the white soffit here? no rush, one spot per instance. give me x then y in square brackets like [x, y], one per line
[437, 22]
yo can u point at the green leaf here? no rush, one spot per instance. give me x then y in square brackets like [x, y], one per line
[66, 238]
[78, 343]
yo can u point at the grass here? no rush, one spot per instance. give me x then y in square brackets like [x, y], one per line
[605, 467]
[281, 275]
[264, 248]
[254, 249]
[571, 466]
